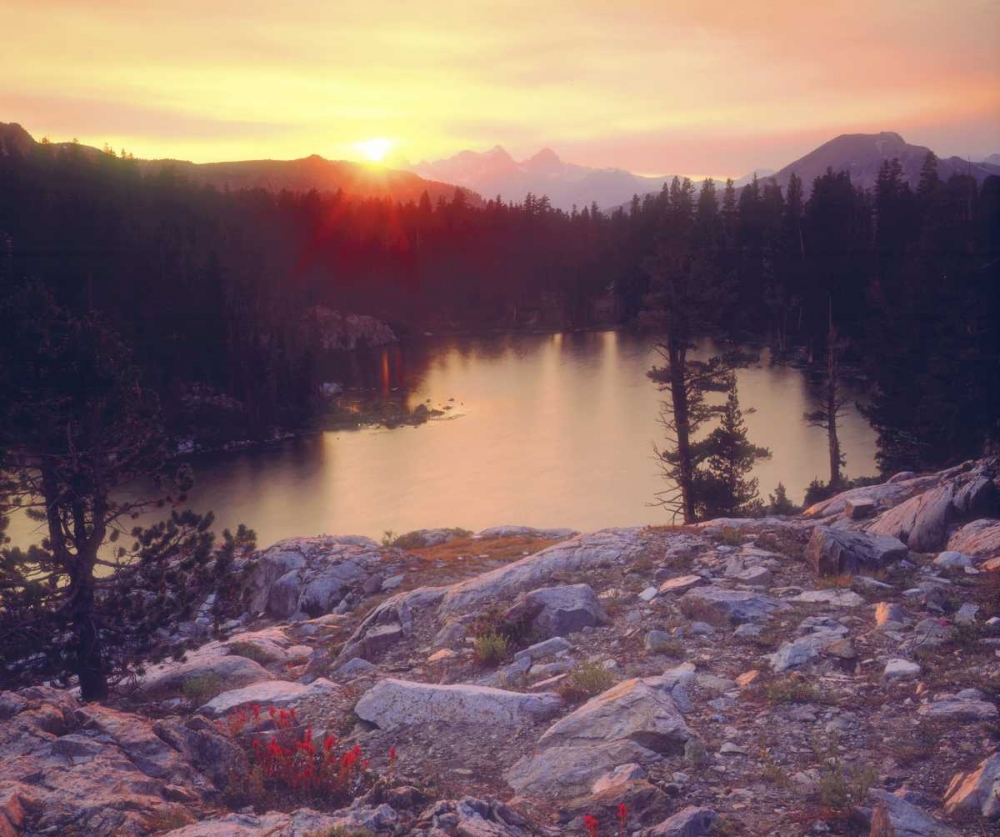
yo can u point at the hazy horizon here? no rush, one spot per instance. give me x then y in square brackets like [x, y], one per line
[647, 89]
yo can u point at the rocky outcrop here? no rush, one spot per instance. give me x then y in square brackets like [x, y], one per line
[312, 576]
[608, 547]
[977, 791]
[692, 821]
[636, 721]
[836, 551]
[395, 703]
[96, 771]
[923, 521]
[212, 662]
[907, 819]
[389, 622]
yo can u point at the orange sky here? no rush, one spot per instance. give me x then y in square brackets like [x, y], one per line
[699, 86]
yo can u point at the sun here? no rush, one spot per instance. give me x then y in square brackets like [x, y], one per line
[374, 149]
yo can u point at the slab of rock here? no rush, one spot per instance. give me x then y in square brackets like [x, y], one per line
[688, 822]
[858, 508]
[966, 705]
[923, 521]
[800, 651]
[907, 819]
[390, 704]
[837, 551]
[277, 693]
[977, 791]
[636, 721]
[980, 538]
[721, 606]
[619, 776]
[659, 641]
[557, 611]
[211, 661]
[547, 648]
[755, 576]
[681, 584]
[833, 597]
[899, 669]
[608, 547]
[272, 824]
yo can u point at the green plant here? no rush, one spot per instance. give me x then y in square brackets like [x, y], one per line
[773, 772]
[202, 687]
[790, 690]
[730, 536]
[388, 538]
[491, 648]
[841, 787]
[585, 681]
[695, 752]
[250, 651]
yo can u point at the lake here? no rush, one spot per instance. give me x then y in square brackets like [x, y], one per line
[544, 430]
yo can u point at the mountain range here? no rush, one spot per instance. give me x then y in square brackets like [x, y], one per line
[313, 172]
[496, 172]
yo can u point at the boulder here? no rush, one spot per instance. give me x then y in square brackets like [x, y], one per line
[547, 648]
[899, 669]
[980, 539]
[557, 611]
[798, 652]
[636, 721]
[860, 507]
[691, 821]
[977, 791]
[278, 693]
[907, 819]
[952, 559]
[396, 703]
[837, 551]
[720, 606]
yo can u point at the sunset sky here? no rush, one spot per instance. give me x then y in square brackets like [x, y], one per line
[708, 87]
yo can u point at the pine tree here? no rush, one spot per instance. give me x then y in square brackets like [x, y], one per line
[723, 485]
[78, 427]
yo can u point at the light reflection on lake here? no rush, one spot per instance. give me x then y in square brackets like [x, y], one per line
[545, 430]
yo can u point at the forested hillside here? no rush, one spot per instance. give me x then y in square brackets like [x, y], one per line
[212, 289]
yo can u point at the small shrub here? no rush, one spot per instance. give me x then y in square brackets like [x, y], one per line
[695, 752]
[516, 630]
[790, 690]
[779, 503]
[202, 687]
[250, 651]
[730, 536]
[585, 681]
[841, 787]
[772, 772]
[491, 648]
[388, 538]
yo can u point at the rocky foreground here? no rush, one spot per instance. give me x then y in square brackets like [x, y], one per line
[833, 673]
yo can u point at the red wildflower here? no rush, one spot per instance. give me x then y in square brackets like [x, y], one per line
[622, 819]
[329, 743]
[256, 711]
[392, 755]
[591, 824]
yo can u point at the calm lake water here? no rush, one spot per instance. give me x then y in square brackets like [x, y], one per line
[544, 430]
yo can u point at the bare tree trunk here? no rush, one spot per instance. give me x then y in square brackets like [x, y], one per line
[832, 402]
[89, 654]
[679, 398]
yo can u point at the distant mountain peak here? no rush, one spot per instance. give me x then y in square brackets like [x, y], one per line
[546, 156]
